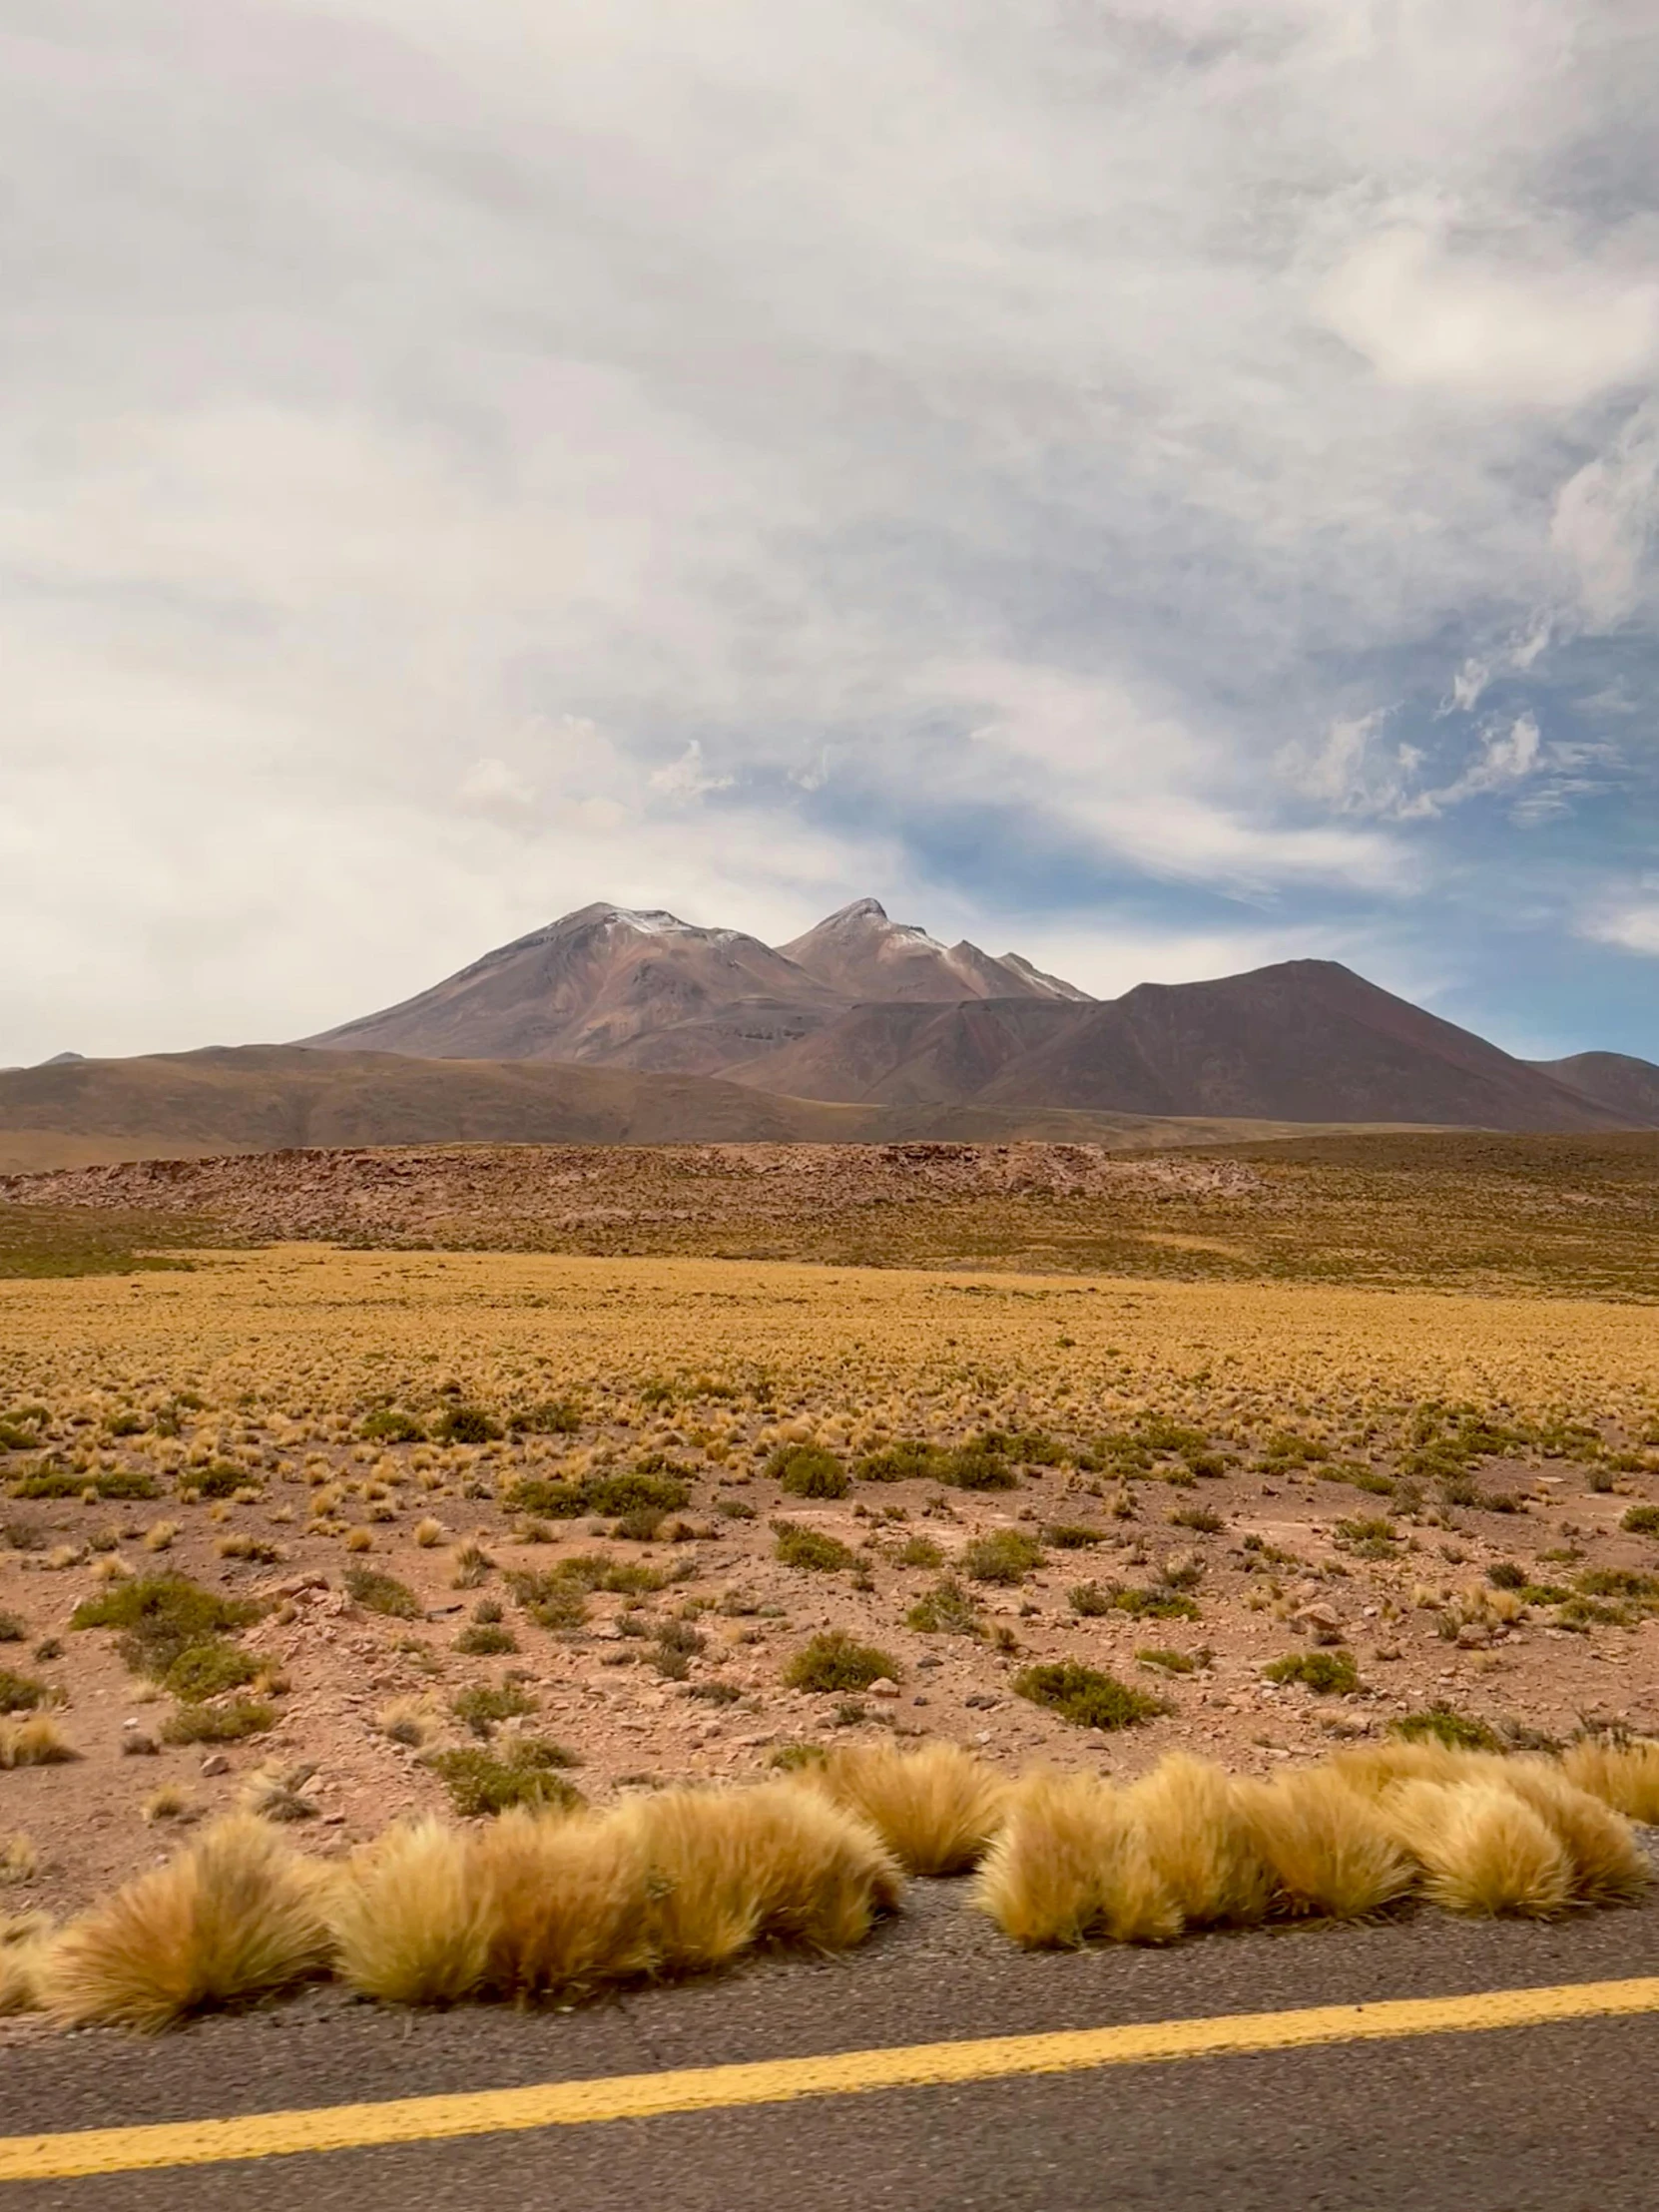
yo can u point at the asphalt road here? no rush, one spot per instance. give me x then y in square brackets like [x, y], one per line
[1512, 2120]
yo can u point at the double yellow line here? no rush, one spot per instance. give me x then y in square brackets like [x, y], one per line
[109, 2150]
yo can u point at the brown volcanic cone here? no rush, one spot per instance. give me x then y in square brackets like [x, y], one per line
[586, 988]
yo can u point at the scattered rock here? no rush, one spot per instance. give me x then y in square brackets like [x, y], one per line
[214, 1763]
[884, 1687]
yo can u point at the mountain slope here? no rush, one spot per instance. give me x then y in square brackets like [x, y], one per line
[861, 955]
[1617, 1080]
[1307, 1040]
[583, 989]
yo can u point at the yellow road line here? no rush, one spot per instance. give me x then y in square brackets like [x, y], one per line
[109, 2150]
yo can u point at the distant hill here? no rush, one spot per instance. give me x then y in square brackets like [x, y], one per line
[861, 955]
[273, 1098]
[1307, 1040]
[1623, 1084]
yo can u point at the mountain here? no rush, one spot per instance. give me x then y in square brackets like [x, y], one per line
[274, 1098]
[864, 1010]
[589, 988]
[609, 986]
[861, 955]
[1627, 1086]
[1305, 1040]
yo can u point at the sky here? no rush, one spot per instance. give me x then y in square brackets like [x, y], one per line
[1160, 487]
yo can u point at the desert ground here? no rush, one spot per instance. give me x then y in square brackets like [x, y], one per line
[477, 1521]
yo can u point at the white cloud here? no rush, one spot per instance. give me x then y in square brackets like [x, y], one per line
[1631, 924]
[1476, 323]
[422, 416]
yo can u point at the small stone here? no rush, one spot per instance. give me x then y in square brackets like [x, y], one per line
[214, 1763]
[884, 1686]
[982, 1701]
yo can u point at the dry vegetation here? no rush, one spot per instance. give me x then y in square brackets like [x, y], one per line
[1168, 1604]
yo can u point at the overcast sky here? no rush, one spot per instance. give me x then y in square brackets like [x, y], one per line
[1161, 487]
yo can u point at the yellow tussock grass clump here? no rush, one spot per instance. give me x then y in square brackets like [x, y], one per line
[1329, 1848]
[1201, 1844]
[1072, 1863]
[566, 1903]
[1624, 1776]
[35, 1742]
[234, 1916]
[409, 1918]
[936, 1808]
[24, 1941]
[1607, 1866]
[1372, 1768]
[1484, 1849]
[773, 1863]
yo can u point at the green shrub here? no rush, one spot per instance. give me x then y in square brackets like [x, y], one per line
[20, 1693]
[381, 1593]
[1153, 1605]
[1325, 1673]
[836, 1661]
[218, 1724]
[642, 1490]
[161, 1615]
[485, 1640]
[1089, 1600]
[1007, 1555]
[466, 1425]
[1086, 1697]
[534, 1493]
[920, 1551]
[207, 1670]
[974, 1468]
[1642, 1520]
[1376, 1538]
[1199, 1517]
[1503, 1574]
[944, 1610]
[111, 1482]
[553, 1599]
[807, 1547]
[479, 1708]
[555, 1417]
[807, 1470]
[1168, 1662]
[13, 1628]
[1072, 1535]
[526, 1772]
[221, 1480]
[386, 1426]
[909, 1460]
[1442, 1725]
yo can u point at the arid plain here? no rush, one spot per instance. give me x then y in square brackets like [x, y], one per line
[467, 1518]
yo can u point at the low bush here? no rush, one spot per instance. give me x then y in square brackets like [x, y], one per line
[20, 1693]
[1072, 1535]
[111, 1482]
[909, 1460]
[1007, 1555]
[35, 1742]
[944, 1610]
[485, 1640]
[207, 1670]
[386, 1426]
[480, 1707]
[1086, 1697]
[1325, 1673]
[383, 1593]
[1641, 1520]
[160, 1616]
[218, 1724]
[809, 1547]
[1441, 1724]
[466, 1425]
[807, 1470]
[526, 1772]
[834, 1660]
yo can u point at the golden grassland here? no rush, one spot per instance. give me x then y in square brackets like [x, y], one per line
[308, 1333]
